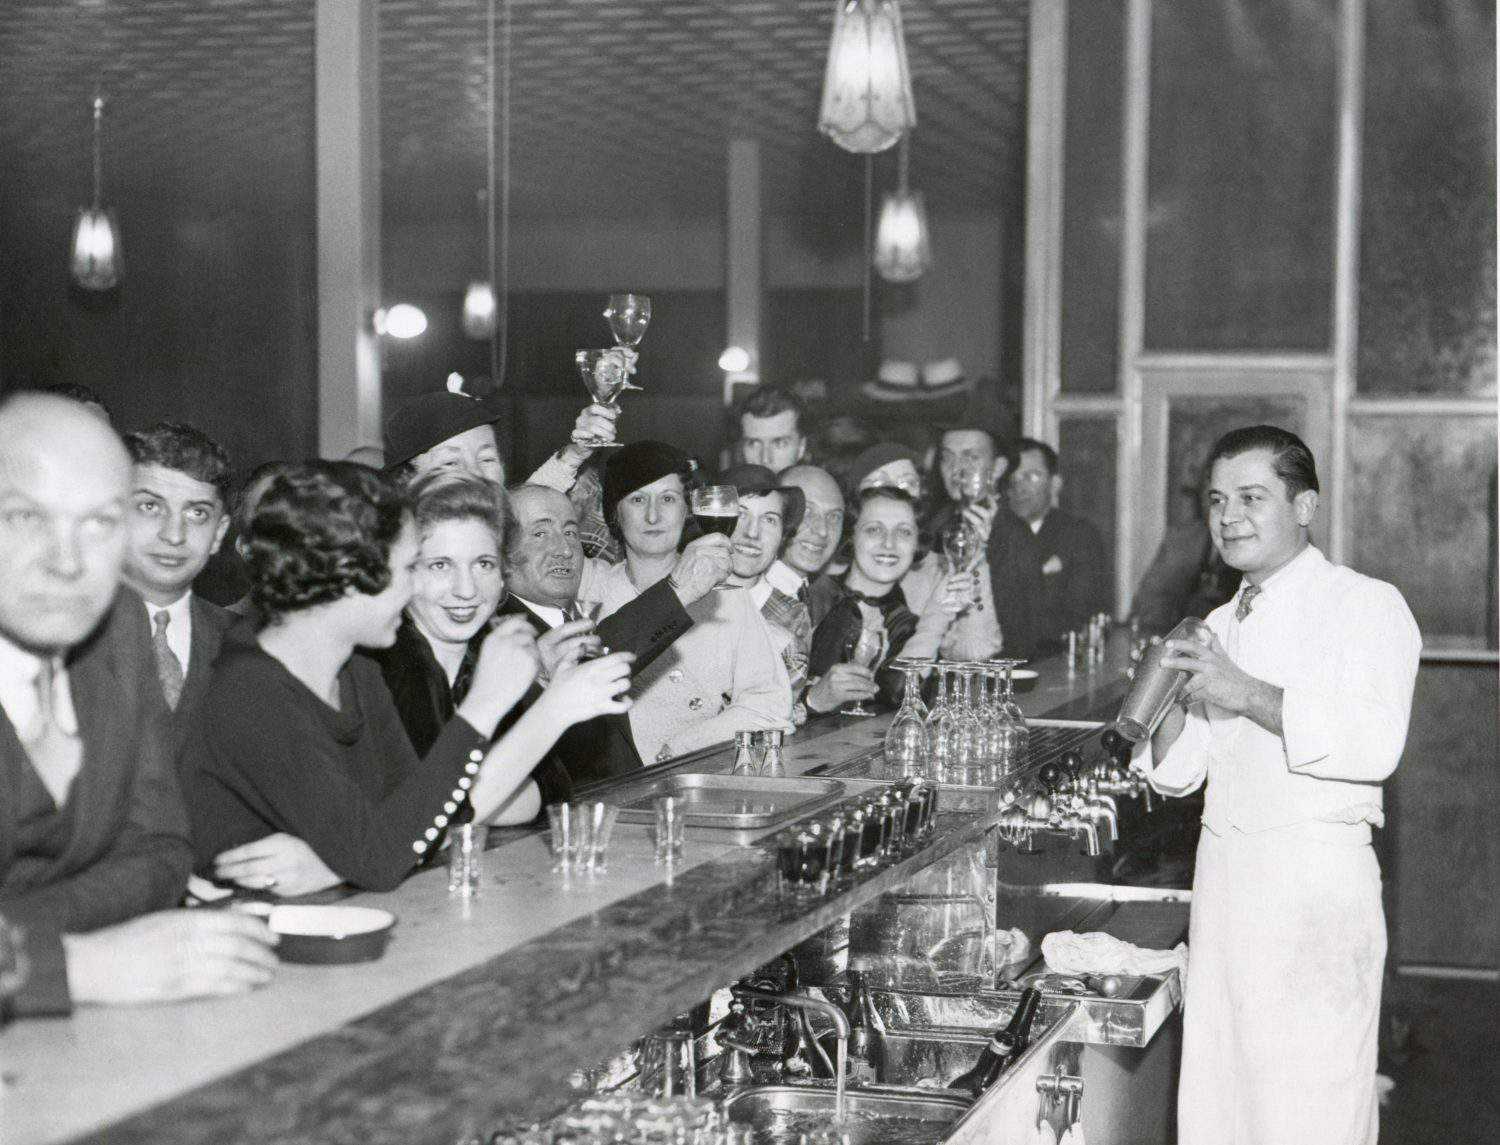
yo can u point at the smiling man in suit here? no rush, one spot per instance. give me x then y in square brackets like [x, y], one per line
[544, 569]
[175, 520]
[93, 835]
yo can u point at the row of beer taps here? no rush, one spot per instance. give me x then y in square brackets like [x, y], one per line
[1070, 797]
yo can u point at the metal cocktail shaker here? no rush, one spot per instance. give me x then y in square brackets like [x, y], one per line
[1155, 687]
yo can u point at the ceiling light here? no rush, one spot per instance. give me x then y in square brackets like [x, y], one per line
[402, 320]
[479, 310]
[96, 262]
[867, 98]
[903, 250]
[734, 360]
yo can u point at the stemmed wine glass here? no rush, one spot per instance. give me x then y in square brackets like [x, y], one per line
[1011, 742]
[961, 546]
[716, 508]
[604, 375]
[867, 650]
[906, 744]
[937, 742]
[628, 316]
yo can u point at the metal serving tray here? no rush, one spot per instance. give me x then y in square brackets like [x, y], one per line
[744, 805]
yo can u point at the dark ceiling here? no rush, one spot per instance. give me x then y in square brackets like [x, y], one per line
[619, 108]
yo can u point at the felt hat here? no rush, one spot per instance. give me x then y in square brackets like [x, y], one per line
[757, 480]
[420, 423]
[876, 457]
[639, 464]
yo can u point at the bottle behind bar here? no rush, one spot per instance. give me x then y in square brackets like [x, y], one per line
[1004, 1047]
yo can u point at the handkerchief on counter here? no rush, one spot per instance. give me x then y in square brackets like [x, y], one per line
[1068, 952]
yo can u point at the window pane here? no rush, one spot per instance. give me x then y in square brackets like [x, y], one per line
[1194, 424]
[1422, 516]
[1090, 319]
[1086, 451]
[1427, 241]
[1243, 151]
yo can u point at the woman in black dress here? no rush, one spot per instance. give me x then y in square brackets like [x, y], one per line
[298, 773]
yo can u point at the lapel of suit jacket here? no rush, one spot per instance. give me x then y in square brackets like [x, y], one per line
[208, 636]
[514, 606]
[13, 761]
[105, 706]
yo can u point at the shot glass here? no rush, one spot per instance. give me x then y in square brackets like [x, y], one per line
[563, 837]
[802, 859]
[597, 822]
[670, 828]
[466, 857]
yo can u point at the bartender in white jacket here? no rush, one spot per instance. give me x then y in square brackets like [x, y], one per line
[1295, 714]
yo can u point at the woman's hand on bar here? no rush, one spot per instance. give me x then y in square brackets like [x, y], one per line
[281, 863]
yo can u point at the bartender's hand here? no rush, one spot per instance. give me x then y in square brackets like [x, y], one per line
[841, 684]
[563, 645]
[280, 863]
[508, 663]
[704, 563]
[170, 956]
[596, 421]
[1218, 680]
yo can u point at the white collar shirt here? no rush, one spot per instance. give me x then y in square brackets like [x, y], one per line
[18, 672]
[179, 626]
[1344, 649]
[552, 615]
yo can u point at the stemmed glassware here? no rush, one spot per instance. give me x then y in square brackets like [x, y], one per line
[907, 748]
[967, 755]
[961, 546]
[867, 650]
[1012, 737]
[604, 375]
[628, 316]
[937, 740]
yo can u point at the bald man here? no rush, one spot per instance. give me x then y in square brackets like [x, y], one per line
[93, 836]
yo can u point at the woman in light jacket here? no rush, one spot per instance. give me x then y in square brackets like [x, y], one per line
[723, 675]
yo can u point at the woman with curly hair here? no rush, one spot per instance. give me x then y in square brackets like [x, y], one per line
[298, 773]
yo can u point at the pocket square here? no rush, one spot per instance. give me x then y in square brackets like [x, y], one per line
[1053, 566]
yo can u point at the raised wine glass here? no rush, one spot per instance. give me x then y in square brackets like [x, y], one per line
[628, 316]
[867, 650]
[961, 547]
[604, 376]
[906, 745]
[716, 508]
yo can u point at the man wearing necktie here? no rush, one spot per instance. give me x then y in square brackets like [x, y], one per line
[93, 835]
[1297, 711]
[176, 517]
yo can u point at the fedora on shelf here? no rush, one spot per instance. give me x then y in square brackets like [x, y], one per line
[903, 382]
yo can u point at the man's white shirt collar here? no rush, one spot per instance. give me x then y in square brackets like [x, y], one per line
[179, 625]
[782, 576]
[18, 672]
[553, 616]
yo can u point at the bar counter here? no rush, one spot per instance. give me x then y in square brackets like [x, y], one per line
[480, 1009]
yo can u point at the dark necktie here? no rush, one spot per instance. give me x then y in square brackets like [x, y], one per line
[54, 753]
[168, 667]
[1247, 601]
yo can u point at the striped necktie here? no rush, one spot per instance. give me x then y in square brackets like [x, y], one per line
[1247, 601]
[168, 667]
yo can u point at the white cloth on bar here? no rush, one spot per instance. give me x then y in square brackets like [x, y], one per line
[1074, 954]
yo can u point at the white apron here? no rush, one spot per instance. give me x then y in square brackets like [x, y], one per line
[1287, 948]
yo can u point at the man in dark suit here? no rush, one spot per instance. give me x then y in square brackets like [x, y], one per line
[970, 465]
[176, 518]
[93, 835]
[544, 568]
[1075, 575]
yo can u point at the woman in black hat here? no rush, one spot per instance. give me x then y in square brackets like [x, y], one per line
[723, 675]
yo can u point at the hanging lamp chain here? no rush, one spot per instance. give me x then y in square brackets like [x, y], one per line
[98, 150]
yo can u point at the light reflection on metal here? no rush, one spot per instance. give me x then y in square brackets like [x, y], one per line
[867, 98]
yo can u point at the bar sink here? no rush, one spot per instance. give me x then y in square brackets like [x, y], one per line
[875, 1115]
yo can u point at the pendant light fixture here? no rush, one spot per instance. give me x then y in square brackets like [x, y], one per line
[96, 259]
[478, 320]
[903, 249]
[867, 99]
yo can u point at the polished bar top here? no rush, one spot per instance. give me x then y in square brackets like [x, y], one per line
[479, 1010]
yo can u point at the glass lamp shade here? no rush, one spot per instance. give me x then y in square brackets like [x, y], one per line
[903, 250]
[867, 100]
[96, 262]
[479, 310]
